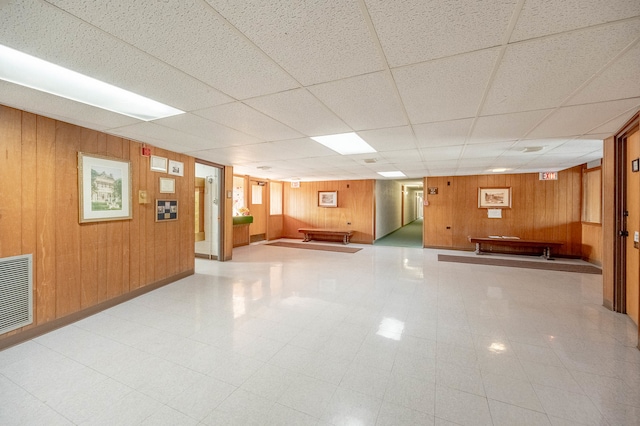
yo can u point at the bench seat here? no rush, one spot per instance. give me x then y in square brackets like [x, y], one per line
[314, 234]
[546, 246]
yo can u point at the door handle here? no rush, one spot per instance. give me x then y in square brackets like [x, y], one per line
[623, 233]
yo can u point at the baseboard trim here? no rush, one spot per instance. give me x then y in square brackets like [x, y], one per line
[47, 327]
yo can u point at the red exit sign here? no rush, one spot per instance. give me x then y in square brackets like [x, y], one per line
[548, 175]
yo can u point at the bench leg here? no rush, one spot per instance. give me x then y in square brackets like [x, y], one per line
[547, 253]
[306, 238]
[478, 248]
[345, 239]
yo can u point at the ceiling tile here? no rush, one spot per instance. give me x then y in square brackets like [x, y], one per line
[445, 89]
[613, 125]
[581, 119]
[615, 82]
[543, 17]
[494, 128]
[188, 35]
[314, 40]
[543, 73]
[301, 111]
[245, 119]
[441, 153]
[401, 155]
[218, 134]
[162, 137]
[364, 102]
[485, 150]
[577, 147]
[412, 31]
[389, 139]
[443, 133]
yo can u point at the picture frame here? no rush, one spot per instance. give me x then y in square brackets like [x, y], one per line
[327, 198]
[167, 186]
[635, 165]
[104, 188]
[166, 210]
[494, 198]
[176, 168]
[158, 164]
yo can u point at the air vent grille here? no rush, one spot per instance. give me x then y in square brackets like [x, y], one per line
[16, 292]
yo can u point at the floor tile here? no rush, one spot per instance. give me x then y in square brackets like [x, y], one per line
[411, 393]
[397, 415]
[462, 407]
[504, 414]
[461, 378]
[348, 407]
[308, 395]
[511, 391]
[568, 405]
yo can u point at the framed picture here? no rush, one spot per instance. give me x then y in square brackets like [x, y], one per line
[494, 198]
[328, 198]
[104, 188]
[635, 165]
[176, 168]
[158, 164]
[167, 185]
[166, 210]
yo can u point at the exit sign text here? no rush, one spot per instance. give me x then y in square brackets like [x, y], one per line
[548, 175]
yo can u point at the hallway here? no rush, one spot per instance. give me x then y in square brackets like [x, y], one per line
[409, 235]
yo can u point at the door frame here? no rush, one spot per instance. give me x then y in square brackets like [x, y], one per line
[620, 207]
[221, 210]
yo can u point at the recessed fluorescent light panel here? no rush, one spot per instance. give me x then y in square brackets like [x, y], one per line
[345, 143]
[392, 174]
[29, 71]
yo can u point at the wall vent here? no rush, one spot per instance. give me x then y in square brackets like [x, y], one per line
[16, 292]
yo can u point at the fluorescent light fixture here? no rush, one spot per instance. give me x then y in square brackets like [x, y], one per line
[29, 71]
[392, 174]
[345, 143]
[499, 170]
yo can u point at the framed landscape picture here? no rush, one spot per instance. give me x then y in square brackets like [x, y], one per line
[494, 198]
[328, 198]
[104, 188]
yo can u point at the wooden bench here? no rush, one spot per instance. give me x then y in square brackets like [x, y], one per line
[546, 246]
[312, 233]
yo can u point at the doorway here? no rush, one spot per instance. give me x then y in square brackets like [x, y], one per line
[258, 208]
[208, 187]
[631, 218]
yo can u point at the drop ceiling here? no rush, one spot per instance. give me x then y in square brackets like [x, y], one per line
[453, 87]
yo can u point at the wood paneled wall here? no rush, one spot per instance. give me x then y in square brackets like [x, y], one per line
[544, 210]
[79, 266]
[355, 205]
[592, 243]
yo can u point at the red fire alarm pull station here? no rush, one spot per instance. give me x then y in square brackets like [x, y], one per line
[146, 151]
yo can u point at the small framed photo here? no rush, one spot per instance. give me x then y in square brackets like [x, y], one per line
[494, 198]
[158, 164]
[167, 185]
[166, 210]
[635, 165]
[104, 188]
[328, 198]
[176, 168]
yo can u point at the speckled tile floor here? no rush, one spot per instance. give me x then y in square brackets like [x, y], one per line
[385, 336]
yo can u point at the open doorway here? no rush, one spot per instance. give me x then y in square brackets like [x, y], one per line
[208, 187]
[398, 213]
